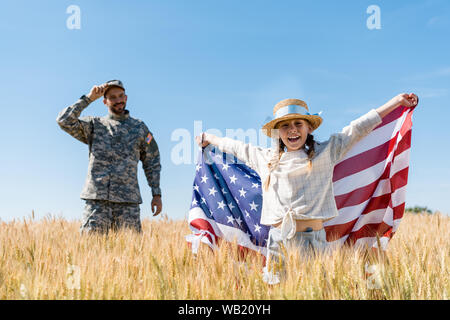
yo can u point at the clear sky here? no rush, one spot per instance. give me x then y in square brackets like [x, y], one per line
[225, 63]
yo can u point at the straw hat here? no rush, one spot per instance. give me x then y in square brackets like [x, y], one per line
[289, 109]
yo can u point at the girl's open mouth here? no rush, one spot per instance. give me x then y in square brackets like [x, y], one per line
[294, 139]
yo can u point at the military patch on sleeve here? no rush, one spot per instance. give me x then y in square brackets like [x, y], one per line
[149, 138]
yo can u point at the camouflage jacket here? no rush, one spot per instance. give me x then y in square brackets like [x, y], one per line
[116, 144]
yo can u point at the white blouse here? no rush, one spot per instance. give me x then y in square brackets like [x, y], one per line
[295, 191]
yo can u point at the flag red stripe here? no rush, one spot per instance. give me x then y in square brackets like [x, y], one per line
[376, 203]
[381, 202]
[361, 194]
[373, 156]
[337, 231]
[398, 211]
[399, 180]
[394, 115]
[364, 193]
[388, 233]
[407, 125]
[363, 160]
[404, 143]
[369, 230]
[202, 224]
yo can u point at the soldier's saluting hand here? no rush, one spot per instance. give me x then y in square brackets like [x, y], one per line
[97, 91]
[117, 142]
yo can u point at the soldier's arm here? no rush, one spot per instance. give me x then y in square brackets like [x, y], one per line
[151, 162]
[69, 120]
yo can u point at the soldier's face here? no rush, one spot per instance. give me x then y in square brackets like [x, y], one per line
[116, 100]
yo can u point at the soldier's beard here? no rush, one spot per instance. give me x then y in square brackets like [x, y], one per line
[118, 108]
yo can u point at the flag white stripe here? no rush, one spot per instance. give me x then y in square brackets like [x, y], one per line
[384, 186]
[365, 177]
[375, 216]
[398, 197]
[400, 162]
[351, 213]
[359, 179]
[347, 214]
[395, 224]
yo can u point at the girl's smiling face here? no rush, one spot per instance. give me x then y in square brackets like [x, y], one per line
[293, 133]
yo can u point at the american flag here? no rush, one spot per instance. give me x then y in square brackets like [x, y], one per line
[226, 203]
[369, 185]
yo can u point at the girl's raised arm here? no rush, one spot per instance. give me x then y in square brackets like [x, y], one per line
[341, 142]
[254, 157]
[403, 99]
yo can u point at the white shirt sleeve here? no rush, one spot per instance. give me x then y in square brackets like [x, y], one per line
[252, 156]
[341, 142]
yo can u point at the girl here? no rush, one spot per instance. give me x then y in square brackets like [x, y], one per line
[297, 174]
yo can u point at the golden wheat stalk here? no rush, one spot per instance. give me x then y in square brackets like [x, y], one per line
[49, 259]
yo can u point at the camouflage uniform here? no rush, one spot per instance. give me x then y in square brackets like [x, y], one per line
[102, 216]
[116, 144]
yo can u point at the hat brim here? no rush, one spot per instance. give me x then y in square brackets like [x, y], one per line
[112, 86]
[315, 122]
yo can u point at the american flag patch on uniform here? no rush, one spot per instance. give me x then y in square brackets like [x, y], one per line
[149, 138]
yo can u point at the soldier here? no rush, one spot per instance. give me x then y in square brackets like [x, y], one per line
[116, 144]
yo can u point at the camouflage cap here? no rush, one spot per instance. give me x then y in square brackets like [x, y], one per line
[113, 83]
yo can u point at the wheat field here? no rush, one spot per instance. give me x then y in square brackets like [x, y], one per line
[49, 259]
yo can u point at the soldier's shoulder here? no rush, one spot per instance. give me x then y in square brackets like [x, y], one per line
[139, 123]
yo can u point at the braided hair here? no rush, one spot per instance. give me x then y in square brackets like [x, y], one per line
[310, 149]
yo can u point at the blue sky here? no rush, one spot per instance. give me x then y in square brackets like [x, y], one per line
[225, 63]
